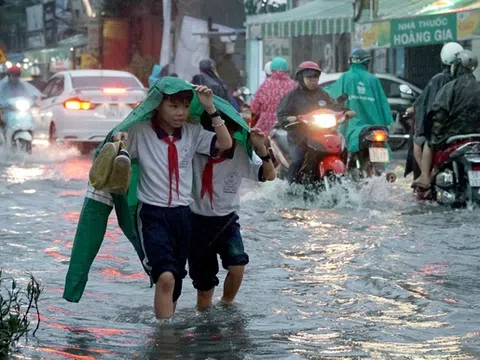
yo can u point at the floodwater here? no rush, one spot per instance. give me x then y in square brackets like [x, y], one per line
[363, 274]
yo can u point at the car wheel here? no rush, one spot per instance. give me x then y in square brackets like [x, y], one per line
[52, 134]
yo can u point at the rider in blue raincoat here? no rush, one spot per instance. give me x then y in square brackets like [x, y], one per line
[365, 97]
[12, 86]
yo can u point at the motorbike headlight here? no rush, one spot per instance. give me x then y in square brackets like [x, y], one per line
[22, 105]
[325, 121]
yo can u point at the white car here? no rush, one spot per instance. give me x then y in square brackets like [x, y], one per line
[82, 106]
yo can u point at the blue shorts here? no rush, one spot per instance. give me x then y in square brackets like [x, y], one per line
[212, 235]
[165, 237]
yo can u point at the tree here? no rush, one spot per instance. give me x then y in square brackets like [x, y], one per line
[15, 307]
[255, 7]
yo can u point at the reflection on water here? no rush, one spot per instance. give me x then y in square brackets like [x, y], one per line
[360, 272]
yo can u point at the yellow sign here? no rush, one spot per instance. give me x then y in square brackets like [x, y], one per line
[89, 61]
[3, 58]
[468, 25]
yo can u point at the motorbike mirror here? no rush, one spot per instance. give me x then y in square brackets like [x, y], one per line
[406, 92]
[342, 98]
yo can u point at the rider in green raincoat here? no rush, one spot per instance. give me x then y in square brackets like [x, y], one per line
[365, 96]
[98, 205]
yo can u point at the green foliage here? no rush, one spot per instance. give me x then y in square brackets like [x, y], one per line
[256, 7]
[15, 306]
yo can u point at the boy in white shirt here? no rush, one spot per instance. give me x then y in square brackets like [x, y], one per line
[165, 147]
[215, 227]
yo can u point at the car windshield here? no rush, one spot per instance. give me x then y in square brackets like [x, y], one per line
[104, 82]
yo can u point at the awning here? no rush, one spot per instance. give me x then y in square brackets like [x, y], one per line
[319, 17]
[421, 23]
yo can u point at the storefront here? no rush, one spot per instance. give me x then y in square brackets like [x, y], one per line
[318, 31]
[66, 56]
[410, 45]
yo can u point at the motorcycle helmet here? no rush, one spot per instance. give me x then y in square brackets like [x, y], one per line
[14, 70]
[279, 64]
[360, 56]
[465, 62]
[449, 52]
[306, 69]
[267, 69]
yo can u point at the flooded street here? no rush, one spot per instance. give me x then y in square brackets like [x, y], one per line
[374, 275]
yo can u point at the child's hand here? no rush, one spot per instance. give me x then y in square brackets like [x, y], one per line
[257, 137]
[350, 114]
[205, 97]
[120, 136]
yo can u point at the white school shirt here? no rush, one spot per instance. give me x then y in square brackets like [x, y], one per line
[227, 178]
[152, 154]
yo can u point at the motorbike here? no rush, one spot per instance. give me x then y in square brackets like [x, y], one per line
[327, 152]
[400, 131]
[373, 155]
[456, 181]
[18, 124]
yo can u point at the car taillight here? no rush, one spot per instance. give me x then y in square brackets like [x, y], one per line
[77, 104]
[133, 106]
[114, 91]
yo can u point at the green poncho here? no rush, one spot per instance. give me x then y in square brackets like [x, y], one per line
[98, 205]
[366, 98]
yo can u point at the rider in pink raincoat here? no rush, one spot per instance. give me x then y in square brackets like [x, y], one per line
[265, 102]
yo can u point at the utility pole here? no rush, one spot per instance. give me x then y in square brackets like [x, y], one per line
[165, 52]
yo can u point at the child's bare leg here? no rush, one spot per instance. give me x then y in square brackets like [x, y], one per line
[425, 167]
[417, 151]
[232, 283]
[164, 306]
[204, 299]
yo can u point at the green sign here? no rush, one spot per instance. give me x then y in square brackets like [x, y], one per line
[423, 30]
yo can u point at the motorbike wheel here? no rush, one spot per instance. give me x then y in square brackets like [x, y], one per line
[52, 134]
[23, 146]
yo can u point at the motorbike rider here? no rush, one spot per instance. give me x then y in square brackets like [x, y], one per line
[366, 98]
[265, 102]
[456, 111]
[423, 105]
[209, 77]
[305, 98]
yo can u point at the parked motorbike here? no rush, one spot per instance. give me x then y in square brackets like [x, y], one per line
[18, 124]
[373, 155]
[327, 153]
[457, 179]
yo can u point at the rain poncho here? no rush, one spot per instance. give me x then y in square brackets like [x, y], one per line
[423, 105]
[267, 98]
[366, 98]
[459, 101]
[9, 90]
[208, 77]
[98, 205]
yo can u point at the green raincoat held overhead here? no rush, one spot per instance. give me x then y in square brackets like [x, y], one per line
[366, 97]
[98, 205]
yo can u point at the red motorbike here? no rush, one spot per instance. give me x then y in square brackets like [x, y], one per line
[327, 152]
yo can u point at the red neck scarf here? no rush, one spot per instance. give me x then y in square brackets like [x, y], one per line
[207, 178]
[173, 168]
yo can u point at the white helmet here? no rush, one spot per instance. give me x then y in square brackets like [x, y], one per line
[450, 52]
[267, 69]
